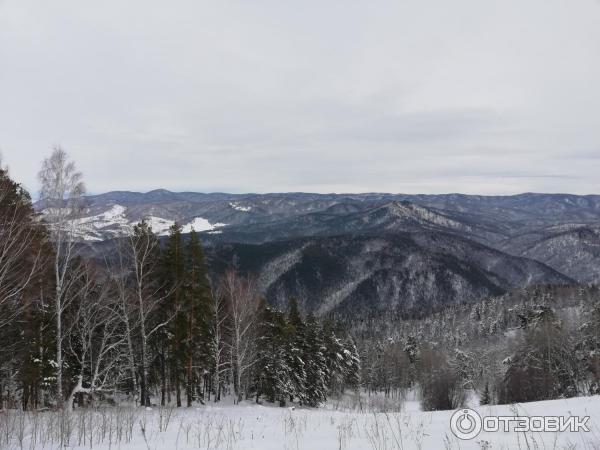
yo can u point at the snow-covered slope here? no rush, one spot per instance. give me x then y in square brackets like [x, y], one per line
[358, 275]
[572, 249]
[254, 427]
[98, 224]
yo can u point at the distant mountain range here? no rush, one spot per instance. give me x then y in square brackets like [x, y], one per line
[374, 251]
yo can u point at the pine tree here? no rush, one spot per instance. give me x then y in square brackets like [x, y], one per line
[296, 346]
[589, 344]
[27, 328]
[335, 358]
[315, 364]
[174, 277]
[352, 365]
[294, 313]
[197, 310]
[273, 377]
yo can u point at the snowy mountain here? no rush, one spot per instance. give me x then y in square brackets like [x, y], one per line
[491, 218]
[571, 249]
[117, 221]
[417, 271]
[380, 250]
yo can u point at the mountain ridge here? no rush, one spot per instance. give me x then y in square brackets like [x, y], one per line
[346, 249]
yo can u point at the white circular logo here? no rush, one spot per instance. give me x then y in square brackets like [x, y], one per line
[465, 424]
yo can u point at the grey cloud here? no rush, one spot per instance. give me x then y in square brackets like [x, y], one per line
[392, 96]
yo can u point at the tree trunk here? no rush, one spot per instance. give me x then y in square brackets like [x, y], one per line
[163, 373]
[131, 361]
[189, 387]
[59, 365]
[77, 388]
[144, 400]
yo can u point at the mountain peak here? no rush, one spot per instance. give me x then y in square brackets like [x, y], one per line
[159, 192]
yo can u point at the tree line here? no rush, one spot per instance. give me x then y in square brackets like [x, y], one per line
[539, 343]
[146, 324]
[150, 324]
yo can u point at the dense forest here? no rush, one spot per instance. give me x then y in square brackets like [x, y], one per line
[145, 325]
[531, 344]
[149, 323]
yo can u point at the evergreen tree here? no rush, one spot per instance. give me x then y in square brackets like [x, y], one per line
[174, 277]
[352, 365]
[295, 353]
[589, 345]
[27, 328]
[315, 364]
[335, 357]
[273, 374]
[196, 307]
[294, 314]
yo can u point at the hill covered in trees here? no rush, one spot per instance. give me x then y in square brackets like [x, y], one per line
[145, 324]
[379, 297]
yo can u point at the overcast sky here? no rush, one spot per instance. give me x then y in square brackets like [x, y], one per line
[418, 96]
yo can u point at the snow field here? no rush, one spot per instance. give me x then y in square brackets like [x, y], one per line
[255, 427]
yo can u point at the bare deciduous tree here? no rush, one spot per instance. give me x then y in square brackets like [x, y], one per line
[119, 271]
[243, 302]
[94, 336]
[62, 191]
[219, 329]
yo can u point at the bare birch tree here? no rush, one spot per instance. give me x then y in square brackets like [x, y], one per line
[243, 302]
[119, 271]
[62, 191]
[219, 330]
[94, 337]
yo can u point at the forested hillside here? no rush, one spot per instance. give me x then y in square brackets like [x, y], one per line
[311, 297]
[145, 324]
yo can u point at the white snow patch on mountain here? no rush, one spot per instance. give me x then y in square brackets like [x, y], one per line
[116, 215]
[159, 225]
[92, 228]
[200, 224]
[114, 222]
[239, 207]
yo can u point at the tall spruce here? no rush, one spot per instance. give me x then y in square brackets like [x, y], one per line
[26, 320]
[174, 260]
[296, 346]
[196, 310]
[273, 378]
[315, 363]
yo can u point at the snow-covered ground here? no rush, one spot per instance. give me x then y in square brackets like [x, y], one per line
[114, 222]
[255, 427]
[161, 226]
[239, 207]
